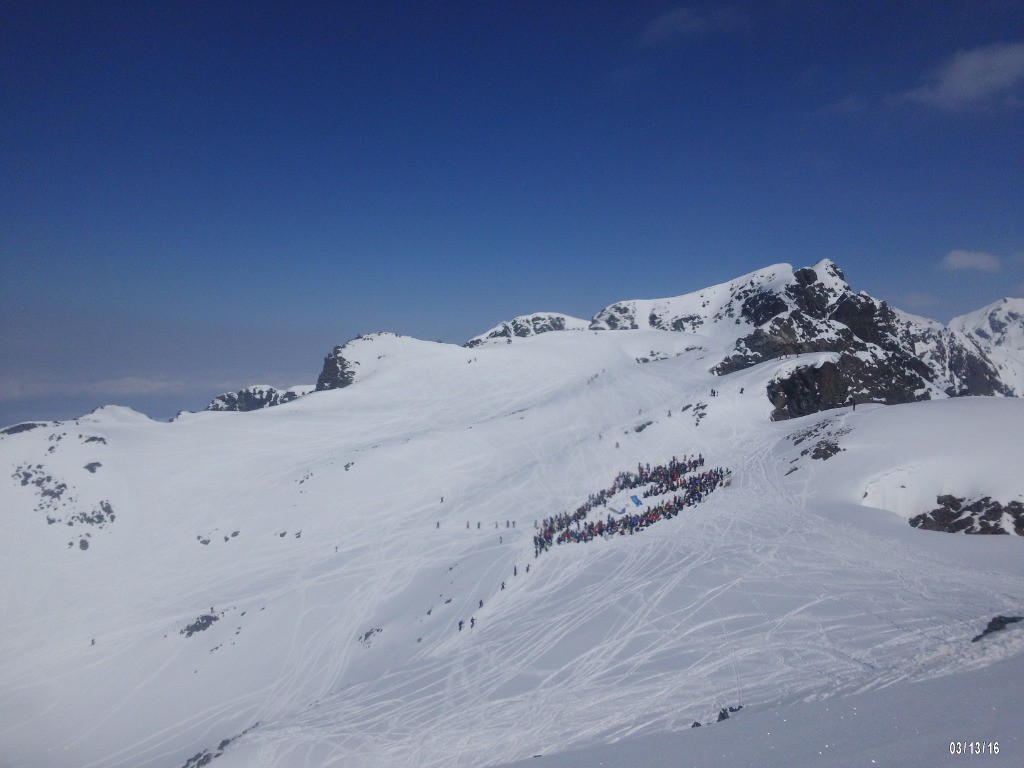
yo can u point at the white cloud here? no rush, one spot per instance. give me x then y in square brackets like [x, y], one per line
[136, 385]
[28, 387]
[982, 77]
[959, 260]
[683, 21]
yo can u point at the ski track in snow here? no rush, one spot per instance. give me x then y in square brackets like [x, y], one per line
[761, 595]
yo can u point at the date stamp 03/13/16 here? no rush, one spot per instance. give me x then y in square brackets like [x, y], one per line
[974, 747]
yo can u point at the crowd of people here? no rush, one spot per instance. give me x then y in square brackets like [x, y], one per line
[677, 475]
[680, 478]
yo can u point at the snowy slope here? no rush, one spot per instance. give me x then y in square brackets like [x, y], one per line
[910, 726]
[283, 587]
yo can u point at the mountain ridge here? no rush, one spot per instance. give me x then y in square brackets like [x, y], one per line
[881, 355]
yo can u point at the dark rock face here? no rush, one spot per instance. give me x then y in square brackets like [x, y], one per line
[252, 399]
[883, 378]
[337, 372]
[868, 320]
[825, 449]
[810, 295]
[996, 624]
[808, 390]
[202, 623]
[25, 426]
[762, 306]
[983, 516]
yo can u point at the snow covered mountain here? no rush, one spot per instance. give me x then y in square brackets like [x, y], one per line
[880, 354]
[999, 328]
[362, 576]
[256, 396]
[528, 325]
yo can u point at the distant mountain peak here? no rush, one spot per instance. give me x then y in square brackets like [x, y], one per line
[255, 397]
[524, 326]
[1001, 323]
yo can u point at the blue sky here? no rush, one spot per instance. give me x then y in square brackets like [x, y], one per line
[197, 196]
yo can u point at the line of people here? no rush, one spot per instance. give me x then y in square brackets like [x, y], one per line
[472, 619]
[666, 474]
[574, 527]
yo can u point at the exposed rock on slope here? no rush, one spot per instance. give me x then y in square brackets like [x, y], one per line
[997, 624]
[254, 397]
[956, 515]
[338, 372]
[528, 325]
[358, 354]
[883, 355]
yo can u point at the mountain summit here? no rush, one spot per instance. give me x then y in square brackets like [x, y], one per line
[868, 352]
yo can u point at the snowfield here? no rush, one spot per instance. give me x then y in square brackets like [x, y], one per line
[283, 587]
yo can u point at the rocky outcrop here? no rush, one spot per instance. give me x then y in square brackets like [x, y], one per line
[882, 355]
[793, 334]
[849, 379]
[255, 397]
[528, 325]
[808, 390]
[337, 372]
[617, 317]
[25, 426]
[997, 624]
[982, 516]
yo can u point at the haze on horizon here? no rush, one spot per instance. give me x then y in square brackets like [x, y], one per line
[200, 197]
